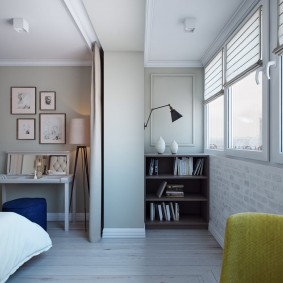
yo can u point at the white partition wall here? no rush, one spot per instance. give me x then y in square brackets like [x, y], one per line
[123, 144]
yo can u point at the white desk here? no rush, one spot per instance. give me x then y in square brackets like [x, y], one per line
[27, 179]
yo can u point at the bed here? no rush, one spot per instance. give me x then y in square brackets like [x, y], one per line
[20, 240]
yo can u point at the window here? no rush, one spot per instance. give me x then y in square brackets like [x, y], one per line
[214, 100]
[245, 115]
[215, 119]
[236, 117]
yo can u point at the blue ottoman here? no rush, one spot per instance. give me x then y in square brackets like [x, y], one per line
[34, 209]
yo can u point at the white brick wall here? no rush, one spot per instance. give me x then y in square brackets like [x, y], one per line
[240, 186]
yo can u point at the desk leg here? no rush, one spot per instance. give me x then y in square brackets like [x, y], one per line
[4, 195]
[74, 213]
[67, 199]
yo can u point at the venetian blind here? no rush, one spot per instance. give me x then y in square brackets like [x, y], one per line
[279, 49]
[213, 77]
[243, 51]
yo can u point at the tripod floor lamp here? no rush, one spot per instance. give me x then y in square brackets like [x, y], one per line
[79, 135]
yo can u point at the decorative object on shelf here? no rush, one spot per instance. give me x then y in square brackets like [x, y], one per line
[174, 114]
[80, 136]
[26, 129]
[160, 145]
[174, 147]
[52, 128]
[23, 100]
[47, 100]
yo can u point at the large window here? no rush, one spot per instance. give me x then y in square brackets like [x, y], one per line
[237, 118]
[245, 100]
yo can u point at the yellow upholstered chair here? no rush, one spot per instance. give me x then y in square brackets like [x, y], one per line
[253, 249]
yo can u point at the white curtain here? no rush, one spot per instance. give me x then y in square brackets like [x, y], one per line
[95, 148]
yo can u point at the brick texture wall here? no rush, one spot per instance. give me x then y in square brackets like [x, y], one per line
[240, 186]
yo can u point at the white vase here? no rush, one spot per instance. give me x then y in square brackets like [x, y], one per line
[174, 147]
[160, 145]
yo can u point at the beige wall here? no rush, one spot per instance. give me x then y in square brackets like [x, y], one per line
[72, 87]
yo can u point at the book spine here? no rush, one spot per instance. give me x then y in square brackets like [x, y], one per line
[152, 211]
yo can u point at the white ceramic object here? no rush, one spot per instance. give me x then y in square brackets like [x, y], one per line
[160, 145]
[174, 147]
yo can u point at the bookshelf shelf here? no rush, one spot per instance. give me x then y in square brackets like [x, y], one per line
[193, 207]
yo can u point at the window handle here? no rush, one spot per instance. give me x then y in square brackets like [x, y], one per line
[268, 65]
[257, 73]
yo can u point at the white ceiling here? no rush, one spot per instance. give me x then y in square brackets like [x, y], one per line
[61, 31]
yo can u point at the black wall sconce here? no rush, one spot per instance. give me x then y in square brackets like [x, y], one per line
[174, 114]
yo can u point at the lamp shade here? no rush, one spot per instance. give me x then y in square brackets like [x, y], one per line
[79, 131]
[175, 115]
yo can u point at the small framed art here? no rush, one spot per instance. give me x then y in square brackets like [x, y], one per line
[26, 129]
[52, 128]
[47, 100]
[23, 100]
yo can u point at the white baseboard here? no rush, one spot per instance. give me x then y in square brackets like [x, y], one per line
[61, 216]
[123, 233]
[212, 229]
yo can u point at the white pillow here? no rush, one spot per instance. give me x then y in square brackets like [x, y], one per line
[20, 240]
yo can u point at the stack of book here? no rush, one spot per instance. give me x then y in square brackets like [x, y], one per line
[164, 211]
[175, 190]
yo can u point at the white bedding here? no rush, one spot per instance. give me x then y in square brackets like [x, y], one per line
[20, 240]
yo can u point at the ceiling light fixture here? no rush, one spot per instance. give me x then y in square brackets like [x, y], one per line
[20, 25]
[189, 24]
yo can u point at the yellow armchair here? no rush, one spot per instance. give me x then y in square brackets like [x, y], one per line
[253, 249]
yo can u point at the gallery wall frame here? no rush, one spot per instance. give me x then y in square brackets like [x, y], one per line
[23, 100]
[52, 128]
[47, 100]
[25, 129]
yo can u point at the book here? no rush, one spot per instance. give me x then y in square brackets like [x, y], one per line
[160, 214]
[177, 213]
[150, 169]
[164, 210]
[172, 211]
[175, 194]
[174, 186]
[168, 214]
[155, 167]
[152, 211]
[161, 189]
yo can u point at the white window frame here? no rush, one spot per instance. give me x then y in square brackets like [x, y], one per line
[276, 88]
[264, 154]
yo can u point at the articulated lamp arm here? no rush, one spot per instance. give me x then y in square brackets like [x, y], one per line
[174, 114]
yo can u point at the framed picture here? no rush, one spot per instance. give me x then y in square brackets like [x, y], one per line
[26, 129]
[47, 100]
[23, 100]
[52, 128]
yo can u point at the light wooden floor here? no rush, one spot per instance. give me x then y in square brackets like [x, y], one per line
[164, 256]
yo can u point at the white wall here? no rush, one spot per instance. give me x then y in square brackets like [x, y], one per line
[198, 110]
[241, 186]
[72, 87]
[123, 140]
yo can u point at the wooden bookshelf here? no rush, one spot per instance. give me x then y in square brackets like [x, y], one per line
[193, 206]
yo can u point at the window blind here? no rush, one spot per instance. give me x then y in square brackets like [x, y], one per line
[279, 49]
[243, 51]
[213, 76]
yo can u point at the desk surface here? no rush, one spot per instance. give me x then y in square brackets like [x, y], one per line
[28, 179]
